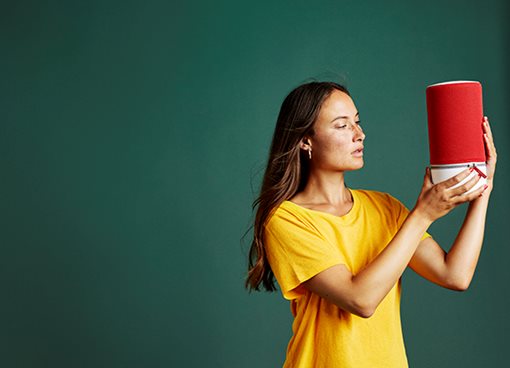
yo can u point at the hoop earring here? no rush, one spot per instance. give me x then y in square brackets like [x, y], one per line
[310, 153]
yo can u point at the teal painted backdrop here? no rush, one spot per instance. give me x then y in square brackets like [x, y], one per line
[133, 139]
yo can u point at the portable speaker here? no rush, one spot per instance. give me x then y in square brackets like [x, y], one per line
[455, 118]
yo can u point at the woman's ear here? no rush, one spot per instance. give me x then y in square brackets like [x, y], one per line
[305, 144]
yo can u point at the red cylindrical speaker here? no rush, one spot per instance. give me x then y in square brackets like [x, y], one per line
[455, 118]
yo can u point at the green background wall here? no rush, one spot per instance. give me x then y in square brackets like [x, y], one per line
[133, 139]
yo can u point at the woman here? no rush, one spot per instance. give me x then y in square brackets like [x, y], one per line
[338, 253]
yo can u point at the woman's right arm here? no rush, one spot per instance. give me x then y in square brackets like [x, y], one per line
[360, 294]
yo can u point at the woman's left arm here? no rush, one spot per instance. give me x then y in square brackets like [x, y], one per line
[454, 270]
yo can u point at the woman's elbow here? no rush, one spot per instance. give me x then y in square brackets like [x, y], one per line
[359, 308]
[459, 284]
[460, 287]
[365, 313]
[363, 309]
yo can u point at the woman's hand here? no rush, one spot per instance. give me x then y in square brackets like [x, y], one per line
[437, 200]
[490, 151]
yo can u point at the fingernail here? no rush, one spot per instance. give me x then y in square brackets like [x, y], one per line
[480, 172]
[485, 186]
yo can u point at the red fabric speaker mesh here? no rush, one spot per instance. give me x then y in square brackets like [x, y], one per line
[455, 116]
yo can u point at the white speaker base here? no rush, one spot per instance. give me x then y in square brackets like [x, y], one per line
[443, 172]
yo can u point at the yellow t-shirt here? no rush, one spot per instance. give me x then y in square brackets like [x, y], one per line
[300, 243]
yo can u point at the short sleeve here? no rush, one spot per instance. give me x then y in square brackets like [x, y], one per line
[402, 212]
[296, 252]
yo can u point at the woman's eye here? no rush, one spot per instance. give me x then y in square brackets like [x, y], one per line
[358, 122]
[341, 126]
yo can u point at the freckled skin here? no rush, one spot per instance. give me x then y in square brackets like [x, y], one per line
[336, 140]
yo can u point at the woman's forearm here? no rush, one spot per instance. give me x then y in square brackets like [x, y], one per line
[374, 282]
[362, 292]
[463, 256]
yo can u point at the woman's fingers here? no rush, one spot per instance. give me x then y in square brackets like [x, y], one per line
[427, 180]
[468, 197]
[489, 143]
[455, 190]
[437, 200]
[455, 180]
[489, 139]
[490, 149]
[462, 189]
[486, 127]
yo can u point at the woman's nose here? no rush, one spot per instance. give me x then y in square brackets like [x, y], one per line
[358, 134]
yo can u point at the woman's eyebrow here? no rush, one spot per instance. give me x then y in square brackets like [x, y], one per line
[343, 117]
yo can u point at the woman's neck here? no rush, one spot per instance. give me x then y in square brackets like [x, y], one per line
[325, 189]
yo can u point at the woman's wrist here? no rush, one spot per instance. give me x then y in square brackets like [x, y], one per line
[420, 217]
[490, 185]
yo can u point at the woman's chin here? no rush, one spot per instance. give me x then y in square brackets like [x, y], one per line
[357, 166]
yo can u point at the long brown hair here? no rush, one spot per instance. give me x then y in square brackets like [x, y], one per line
[287, 169]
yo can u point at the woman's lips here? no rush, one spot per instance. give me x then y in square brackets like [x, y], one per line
[358, 152]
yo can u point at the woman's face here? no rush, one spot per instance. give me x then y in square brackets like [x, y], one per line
[337, 143]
